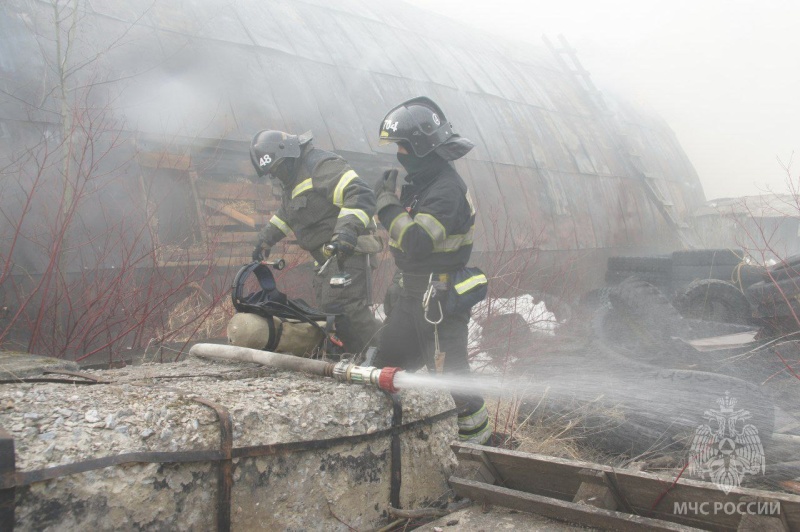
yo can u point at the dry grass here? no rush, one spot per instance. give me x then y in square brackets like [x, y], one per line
[558, 432]
[193, 319]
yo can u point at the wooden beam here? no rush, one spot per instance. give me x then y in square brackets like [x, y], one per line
[561, 478]
[230, 212]
[223, 221]
[581, 514]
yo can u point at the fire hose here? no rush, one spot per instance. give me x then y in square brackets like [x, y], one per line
[343, 371]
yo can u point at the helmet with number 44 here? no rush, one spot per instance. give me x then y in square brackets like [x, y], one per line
[419, 123]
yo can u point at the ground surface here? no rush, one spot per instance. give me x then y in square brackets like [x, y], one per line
[476, 518]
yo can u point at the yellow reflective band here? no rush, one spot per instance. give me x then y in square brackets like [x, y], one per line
[471, 204]
[399, 226]
[470, 283]
[473, 421]
[361, 215]
[280, 224]
[454, 242]
[338, 192]
[302, 187]
[432, 226]
[478, 438]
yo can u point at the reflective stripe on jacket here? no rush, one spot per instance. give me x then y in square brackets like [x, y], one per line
[326, 197]
[433, 231]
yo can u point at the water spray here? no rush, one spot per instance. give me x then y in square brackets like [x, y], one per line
[343, 371]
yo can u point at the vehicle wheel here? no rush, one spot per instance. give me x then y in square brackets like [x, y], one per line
[707, 257]
[649, 316]
[713, 300]
[767, 292]
[790, 267]
[640, 264]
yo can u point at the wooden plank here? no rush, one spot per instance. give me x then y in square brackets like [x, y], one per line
[230, 212]
[223, 221]
[557, 509]
[560, 478]
[233, 191]
[198, 209]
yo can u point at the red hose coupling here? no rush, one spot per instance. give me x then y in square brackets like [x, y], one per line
[386, 379]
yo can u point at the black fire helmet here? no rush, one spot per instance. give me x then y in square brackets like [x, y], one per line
[421, 125]
[268, 147]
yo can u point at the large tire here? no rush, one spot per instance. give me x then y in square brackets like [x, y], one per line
[707, 257]
[687, 274]
[655, 270]
[640, 264]
[713, 300]
[640, 299]
[661, 279]
[643, 315]
[596, 298]
[746, 275]
[789, 267]
[767, 292]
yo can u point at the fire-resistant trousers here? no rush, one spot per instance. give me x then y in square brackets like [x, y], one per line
[356, 325]
[407, 341]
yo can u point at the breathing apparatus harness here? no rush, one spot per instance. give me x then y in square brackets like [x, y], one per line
[271, 303]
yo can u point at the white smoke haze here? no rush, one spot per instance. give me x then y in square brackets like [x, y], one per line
[723, 74]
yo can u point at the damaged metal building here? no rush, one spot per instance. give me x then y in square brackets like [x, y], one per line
[558, 167]
[125, 166]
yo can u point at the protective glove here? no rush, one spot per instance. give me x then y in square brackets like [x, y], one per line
[261, 251]
[385, 190]
[345, 244]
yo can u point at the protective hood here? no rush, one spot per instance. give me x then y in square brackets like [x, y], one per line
[454, 148]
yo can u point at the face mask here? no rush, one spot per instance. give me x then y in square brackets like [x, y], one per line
[412, 163]
[282, 169]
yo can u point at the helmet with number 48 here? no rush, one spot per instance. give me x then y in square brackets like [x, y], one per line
[269, 147]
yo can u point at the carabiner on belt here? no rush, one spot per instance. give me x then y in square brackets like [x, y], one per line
[426, 301]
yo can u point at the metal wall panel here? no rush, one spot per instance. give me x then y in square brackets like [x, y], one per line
[456, 109]
[490, 127]
[340, 117]
[297, 100]
[231, 69]
[290, 18]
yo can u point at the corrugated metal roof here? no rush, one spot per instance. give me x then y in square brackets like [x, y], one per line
[227, 70]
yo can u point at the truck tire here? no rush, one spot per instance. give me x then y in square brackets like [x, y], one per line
[767, 292]
[647, 316]
[707, 257]
[640, 264]
[713, 300]
[687, 274]
[789, 267]
[661, 279]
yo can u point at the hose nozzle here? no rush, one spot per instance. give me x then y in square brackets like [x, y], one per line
[382, 378]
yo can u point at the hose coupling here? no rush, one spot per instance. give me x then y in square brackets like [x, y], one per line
[352, 374]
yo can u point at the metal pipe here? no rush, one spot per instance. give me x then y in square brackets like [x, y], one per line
[382, 378]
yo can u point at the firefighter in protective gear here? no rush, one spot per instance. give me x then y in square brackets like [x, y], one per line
[326, 205]
[430, 229]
